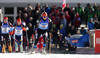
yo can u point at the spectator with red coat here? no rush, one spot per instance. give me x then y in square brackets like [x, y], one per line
[60, 15]
[54, 20]
[67, 16]
[57, 12]
[53, 9]
[77, 20]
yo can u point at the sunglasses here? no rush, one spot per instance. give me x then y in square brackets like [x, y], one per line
[5, 20]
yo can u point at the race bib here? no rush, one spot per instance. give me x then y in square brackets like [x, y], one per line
[4, 30]
[18, 32]
[43, 26]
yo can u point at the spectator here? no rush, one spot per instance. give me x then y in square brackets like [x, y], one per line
[78, 32]
[55, 35]
[79, 10]
[58, 21]
[68, 28]
[72, 15]
[67, 9]
[37, 6]
[83, 31]
[63, 20]
[96, 25]
[90, 15]
[73, 30]
[29, 8]
[68, 40]
[95, 17]
[30, 21]
[68, 37]
[29, 13]
[19, 16]
[98, 13]
[33, 11]
[62, 31]
[67, 16]
[39, 11]
[25, 10]
[47, 9]
[54, 20]
[25, 17]
[95, 8]
[77, 21]
[91, 24]
[88, 9]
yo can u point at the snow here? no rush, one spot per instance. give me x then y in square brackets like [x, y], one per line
[24, 55]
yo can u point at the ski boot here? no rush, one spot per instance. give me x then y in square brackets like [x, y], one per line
[44, 50]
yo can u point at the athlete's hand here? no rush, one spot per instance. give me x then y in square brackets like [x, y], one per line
[11, 33]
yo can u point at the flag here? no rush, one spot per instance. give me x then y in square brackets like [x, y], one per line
[64, 4]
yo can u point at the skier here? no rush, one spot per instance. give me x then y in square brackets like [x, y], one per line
[18, 36]
[5, 34]
[44, 25]
[40, 42]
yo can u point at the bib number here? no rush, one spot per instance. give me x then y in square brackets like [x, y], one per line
[18, 32]
[4, 30]
[43, 26]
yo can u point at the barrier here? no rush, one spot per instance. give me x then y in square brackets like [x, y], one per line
[79, 40]
[97, 41]
[92, 38]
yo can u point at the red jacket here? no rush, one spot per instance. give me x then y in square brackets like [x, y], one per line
[77, 21]
[68, 18]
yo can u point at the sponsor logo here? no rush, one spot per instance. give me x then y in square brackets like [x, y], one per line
[74, 41]
[97, 40]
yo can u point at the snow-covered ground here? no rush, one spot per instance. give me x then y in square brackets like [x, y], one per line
[23, 55]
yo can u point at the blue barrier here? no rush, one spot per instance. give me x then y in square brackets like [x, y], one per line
[80, 42]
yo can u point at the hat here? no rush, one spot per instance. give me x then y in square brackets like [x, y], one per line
[5, 18]
[18, 20]
[44, 14]
[91, 18]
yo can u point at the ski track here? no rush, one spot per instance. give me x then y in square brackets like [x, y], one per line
[38, 55]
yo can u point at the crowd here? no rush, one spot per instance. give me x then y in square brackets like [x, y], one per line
[69, 17]
[65, 21]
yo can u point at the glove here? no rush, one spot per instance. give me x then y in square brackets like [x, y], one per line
[24, 29]
[27, 28]
[24, 23]
[11, 33]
